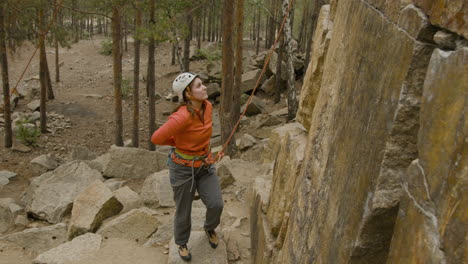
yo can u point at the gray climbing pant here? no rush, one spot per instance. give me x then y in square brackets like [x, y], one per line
[206, 182]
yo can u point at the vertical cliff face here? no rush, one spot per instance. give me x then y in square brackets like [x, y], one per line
[384, 174]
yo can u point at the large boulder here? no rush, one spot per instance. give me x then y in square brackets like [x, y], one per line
[361, 138]
[34, 105]
[7, 218]
[224, 173]
[128, 198]
[137, 225]
[132, 163]
[50, 196]
[249, 79]
[200, 249]
[157, 190]
[273, 64]
[260, 238]
[450, 14]
[415, 22]
[81, 153]
[213, 90]
[7, 174]
[434, 205]
[91, 207]
[40, 239]
[43, 164]
[246, 141]
[79, 248]
[287, 144]
[254, 108]
[313, 76]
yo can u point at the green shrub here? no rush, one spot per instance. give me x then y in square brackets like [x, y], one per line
[106, 47]
[127, 88]
[27, 133]
[208, 55]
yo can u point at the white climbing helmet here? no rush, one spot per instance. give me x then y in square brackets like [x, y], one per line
[181, 82]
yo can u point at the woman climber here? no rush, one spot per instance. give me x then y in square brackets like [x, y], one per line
[190, 163]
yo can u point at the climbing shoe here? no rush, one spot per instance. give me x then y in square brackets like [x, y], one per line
[212, 238]
[184, 253]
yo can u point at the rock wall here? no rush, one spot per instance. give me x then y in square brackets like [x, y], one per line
[386, 145]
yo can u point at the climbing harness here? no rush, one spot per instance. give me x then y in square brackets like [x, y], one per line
[188, 160]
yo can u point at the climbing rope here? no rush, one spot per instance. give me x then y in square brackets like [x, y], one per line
[42, 36]
[220, 154]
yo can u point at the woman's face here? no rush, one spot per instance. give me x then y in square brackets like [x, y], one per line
[198, 90]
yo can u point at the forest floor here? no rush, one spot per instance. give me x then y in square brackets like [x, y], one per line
[86, 72]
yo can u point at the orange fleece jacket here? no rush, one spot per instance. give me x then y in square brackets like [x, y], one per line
[189, 134]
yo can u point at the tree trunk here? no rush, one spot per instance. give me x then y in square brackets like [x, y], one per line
[99, 25]
[227, 93]
[199, 29]
[8, 139]
[136, 80]
[57, 67]
[203, 24]
[278, 80]
[42, 72]
[239, 59]
[117, 61]
[150, 84]
[125, 33]
[173, 54]
[91, 27]
[291, 82]
[187, 43]
[258, 30]
[48, 80]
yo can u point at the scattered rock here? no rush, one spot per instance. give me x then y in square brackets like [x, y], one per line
[246, 141]
[213, 90]
[162, 236]
[132, 163]
[255, 153]
[272, 66]
[254, 108]
[233, 250]
[224, 173]
[81, 153]
[33, 93]
[7, 219]
[18, 147]
[136, 225]
[128, 198]
[281, 112]
[21, 221]
[268, 86]
[3, 181]
[445, 39]
[157, 190]
[50, 196]
[249, 79]
[40, 239]
[34, 105]
[272, 121]
[80, 247]
[43, 164]
[114, 184]
[91, 207]
[94, 96]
